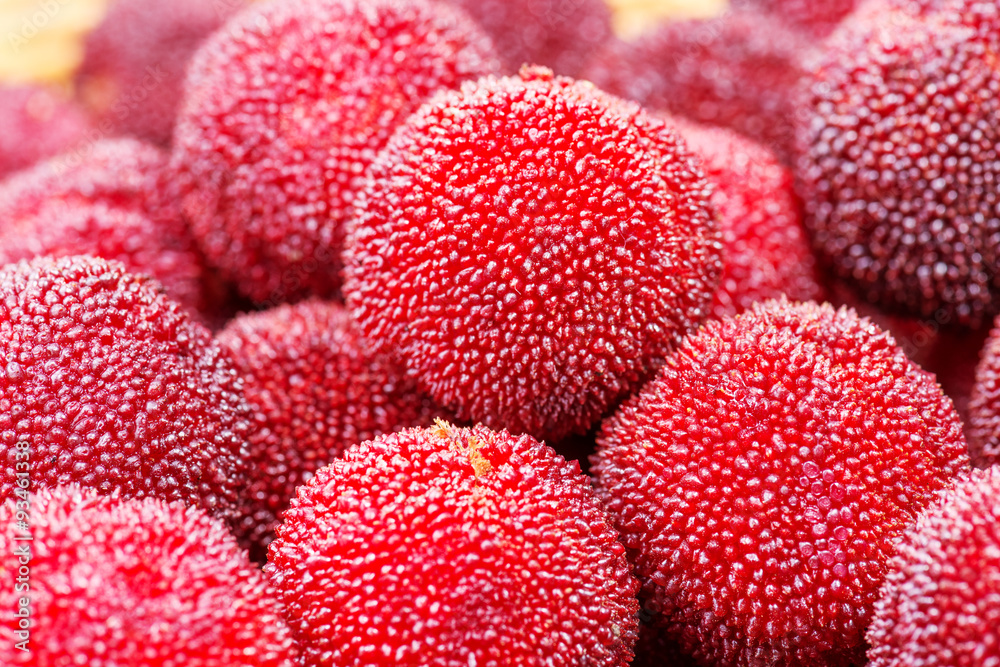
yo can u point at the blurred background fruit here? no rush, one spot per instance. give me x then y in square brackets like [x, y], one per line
[42, 40]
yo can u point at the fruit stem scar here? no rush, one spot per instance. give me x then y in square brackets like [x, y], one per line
[480, 464]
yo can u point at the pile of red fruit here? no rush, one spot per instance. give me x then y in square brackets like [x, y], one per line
[294, 294]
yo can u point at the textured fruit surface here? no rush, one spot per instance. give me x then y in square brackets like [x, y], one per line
[314, 389]
[133, 68]
[557, 34]
[738, 70]
[133, 583]
[898, 161]
[37, 123]
[530, 248]
[940, 605]
[112, 201]
[759, 482]
[984, 405]
[765, 250]
[285, 109]
[111, 385]
[817, 18]
[452, 546]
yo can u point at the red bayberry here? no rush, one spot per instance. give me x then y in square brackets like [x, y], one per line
[111, 201]
[453, 546]
[285, 109]
[737, 71]
[133, 68]
[760, 481]
[897, 161]
[554, 33]
[984, 404]
[764, 246]
[530, 248]
[314, 390]
[132, 583]
[37, 123]
[113, 386]
[981, 14]
[939, 604]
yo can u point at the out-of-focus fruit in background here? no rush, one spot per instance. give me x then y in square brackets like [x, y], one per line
[42, 40]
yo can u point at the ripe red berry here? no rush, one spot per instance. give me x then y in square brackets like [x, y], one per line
[530, 247]
[132, 583]
[134, 62]
[285, 108]
[111, 385]
[765, 250]
[112, 201]
[761, 480]
[451, 546]
[314, 390]
[897, 161]
[984, 405]
[738, 71]
[37, 123]
[554, 33]
[939, 605]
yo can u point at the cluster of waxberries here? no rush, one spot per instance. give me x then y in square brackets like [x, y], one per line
[464, 333]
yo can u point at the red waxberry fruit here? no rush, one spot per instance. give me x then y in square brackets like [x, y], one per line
[134, 62]
[764, 246]
[111, 201]
[37, 123]
[915, 336]
[897, 159]
[737, 71]
[984, 404]
[981, 14]
[314, 390]
[816, 18]
[111, 385]
[131, 583]
[530, 247]
[285, 108]
[940, 602]
[453, 546]
[761, 480]
[557, 34]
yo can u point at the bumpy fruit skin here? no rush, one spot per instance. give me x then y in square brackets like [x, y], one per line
[314, 389]
[285, 109]
[764, 246]
[112, 200]
[135, 583]
[37, 123]
[760, 481]
[738, 71]
[132, 73]
[818, 19]
[113, 386]
[939, 604]
[554, 33]
[530, 248]
[453, 546]
[980, 14]
[897, 161]
[984, 404]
